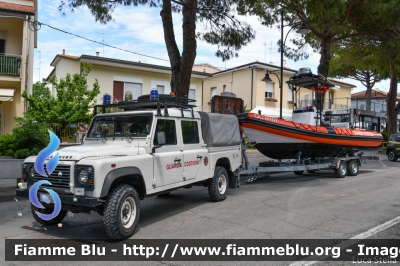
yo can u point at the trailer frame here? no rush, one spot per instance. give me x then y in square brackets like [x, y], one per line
[343, 165]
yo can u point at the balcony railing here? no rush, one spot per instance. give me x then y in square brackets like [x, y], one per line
[344, 103]
[10, 65]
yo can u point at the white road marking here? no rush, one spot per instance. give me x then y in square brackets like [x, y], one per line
[349, 242]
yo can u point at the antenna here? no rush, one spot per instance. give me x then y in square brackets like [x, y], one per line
[265, 52]
[102, 40]
[270, 54]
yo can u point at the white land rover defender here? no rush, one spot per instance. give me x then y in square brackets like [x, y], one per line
[151, 148]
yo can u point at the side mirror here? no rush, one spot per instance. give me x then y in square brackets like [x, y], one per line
[83, 136]
[160, 139]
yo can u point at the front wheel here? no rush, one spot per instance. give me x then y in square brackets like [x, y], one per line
[121, 212]
[352, 168]
[55, 220]
[392, 156]
[341, 171]
[218, 184]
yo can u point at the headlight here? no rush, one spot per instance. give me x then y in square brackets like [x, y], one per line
[83, 176]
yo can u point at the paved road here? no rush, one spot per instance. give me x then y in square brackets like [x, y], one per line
[310, 206]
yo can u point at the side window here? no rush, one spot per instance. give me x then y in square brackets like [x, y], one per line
[190, 133]
[168, 126]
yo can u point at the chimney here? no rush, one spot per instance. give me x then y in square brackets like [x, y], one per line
[97, 53]
[63, 51]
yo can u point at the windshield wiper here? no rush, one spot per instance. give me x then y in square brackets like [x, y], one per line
[127, 135]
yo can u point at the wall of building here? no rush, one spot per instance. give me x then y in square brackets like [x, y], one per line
[107, 74]
[13, 27]
[247, 84]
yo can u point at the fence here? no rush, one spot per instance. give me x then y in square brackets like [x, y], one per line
[10, 65]
[70, 134]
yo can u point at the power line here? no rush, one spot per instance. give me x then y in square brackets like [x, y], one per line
[90, 40]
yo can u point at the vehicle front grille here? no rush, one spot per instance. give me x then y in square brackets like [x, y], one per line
[59, 178]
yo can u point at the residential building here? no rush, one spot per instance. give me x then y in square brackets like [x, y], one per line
[245, 82]
[121, 78]
[375, 115]
[206, 68]
[17, 41]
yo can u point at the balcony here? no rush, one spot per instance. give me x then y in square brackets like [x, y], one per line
[10, 65]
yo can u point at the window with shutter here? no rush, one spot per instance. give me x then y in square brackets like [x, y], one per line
[269, 90]
[160, 89]
[192, 95]
[213, 92]
[134, 88]
[290, 95]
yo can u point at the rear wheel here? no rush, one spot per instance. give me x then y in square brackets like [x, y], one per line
[341, 171]
[311, 171]
[392, 156]
[352, 168]
[218, 184]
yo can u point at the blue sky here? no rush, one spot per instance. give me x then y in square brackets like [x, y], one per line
[139, 29]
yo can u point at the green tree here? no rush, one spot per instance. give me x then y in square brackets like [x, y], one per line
[222, 28]
[358, 63]
[72, 104]
[28, 138]
[330, 22]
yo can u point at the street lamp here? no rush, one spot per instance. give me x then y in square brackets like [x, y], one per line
[302, 30]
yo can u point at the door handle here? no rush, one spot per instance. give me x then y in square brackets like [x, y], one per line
[177, 160]
[199, 157]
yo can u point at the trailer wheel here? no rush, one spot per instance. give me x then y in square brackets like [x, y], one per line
[352, 168]
[392, 156]
[341, 171]
[218, 184]
[55, 220]
[121, 212]
[298, 172]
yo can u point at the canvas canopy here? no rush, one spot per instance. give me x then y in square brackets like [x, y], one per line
[220, 130]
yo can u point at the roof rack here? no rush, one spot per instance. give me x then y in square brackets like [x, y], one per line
[143, 102]
[309, 81]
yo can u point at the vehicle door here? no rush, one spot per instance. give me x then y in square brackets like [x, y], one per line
[168, 159]
[194, 153]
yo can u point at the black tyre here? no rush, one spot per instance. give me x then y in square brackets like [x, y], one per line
[121, 212]
[55, 220]
[218, 184]
[352, 168]
[392, 156]
[341, 171]
[311, 171]
[298, 172]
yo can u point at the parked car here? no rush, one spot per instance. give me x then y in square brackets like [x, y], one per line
[393, 147]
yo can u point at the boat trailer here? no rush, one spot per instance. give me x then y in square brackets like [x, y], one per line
[346, 164]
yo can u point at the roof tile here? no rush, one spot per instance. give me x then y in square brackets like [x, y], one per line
[17, 7]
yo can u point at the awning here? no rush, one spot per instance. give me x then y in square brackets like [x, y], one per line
[6, 94]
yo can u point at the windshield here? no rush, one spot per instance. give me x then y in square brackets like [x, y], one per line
[135, 125]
